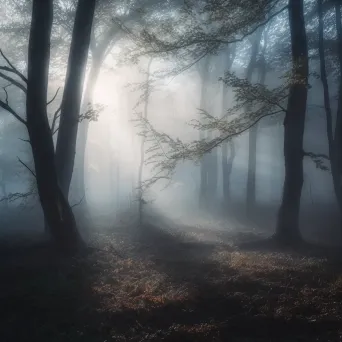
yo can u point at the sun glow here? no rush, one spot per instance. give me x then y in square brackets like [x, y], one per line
[105, 90]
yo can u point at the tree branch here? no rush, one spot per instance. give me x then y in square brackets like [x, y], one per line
[14, 70]
[13, 81]
[55, 117]
[53, 99]
[222, 139]
[78, 203]
[11, 110]
[25, 140]
[21, 162]
[217, 41]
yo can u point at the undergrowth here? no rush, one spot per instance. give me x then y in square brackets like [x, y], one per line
[163, 288]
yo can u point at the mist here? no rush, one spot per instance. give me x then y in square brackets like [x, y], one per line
[140, 135]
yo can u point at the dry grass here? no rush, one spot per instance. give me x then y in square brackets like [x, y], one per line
[166, 290]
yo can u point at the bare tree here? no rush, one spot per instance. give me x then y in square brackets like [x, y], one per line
[332, 140]
[287, 230]
[71, 103]
[142, 147]
[56, 209]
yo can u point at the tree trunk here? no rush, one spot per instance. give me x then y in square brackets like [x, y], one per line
[142, 148]
[338, 125]
[333, 147]
[252, 133]
[71, 103]
[99, 52]
[204, 161]
[55, 206]
[227, 162]
[84, 126]
[4, 193]
[288, 217]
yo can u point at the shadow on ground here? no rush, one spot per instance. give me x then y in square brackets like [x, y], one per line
[202, 292]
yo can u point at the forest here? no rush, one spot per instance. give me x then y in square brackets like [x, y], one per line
[170, 170]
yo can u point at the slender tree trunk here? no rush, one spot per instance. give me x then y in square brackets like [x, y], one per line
[4, 193]
[227, 162]
[84, 126]
[142, 147]
[253, 136]
[288, 217]
[204, 161]
[252, 133]
[330, 135]
[55, 206]
[71, 103]
[338, 125]
[99, 52]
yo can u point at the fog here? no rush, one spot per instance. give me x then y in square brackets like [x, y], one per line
[113, 157]
[170, 170]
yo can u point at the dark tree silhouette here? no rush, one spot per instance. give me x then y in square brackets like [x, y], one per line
[287, 230]
[71, 103]
[56, 209]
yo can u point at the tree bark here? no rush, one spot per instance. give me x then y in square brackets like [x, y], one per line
[252, 133]
[338, 125]
[55, 206]
[288, 231]
[71, 102]
[333, 147]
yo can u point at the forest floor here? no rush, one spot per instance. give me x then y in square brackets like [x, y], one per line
[153, 284]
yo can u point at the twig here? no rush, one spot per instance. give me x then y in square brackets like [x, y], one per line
[79, 202]
[54, 97]
[218, 41]
[55, 117]
[25, 140]
[15, 196]
[13, 81]
[21, 162]
[316, 155]
[14, 70]
[226, 137]
[6, 95]
[11, 110]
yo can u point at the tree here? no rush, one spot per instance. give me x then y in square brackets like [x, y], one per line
[338, 125]
[332, 140]
[205, 163]
[142, 147]
[56, 209]
[71, 103]
[252, 133]
[257, 102]
[287, 230]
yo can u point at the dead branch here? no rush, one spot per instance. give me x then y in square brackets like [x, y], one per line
[7, 107]
[21, 162]
[6, 95]
[14, 69]
[17, 195]
[55, 117]
[78, 203]
[25, 140]
[54, 97]
[13, 81]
